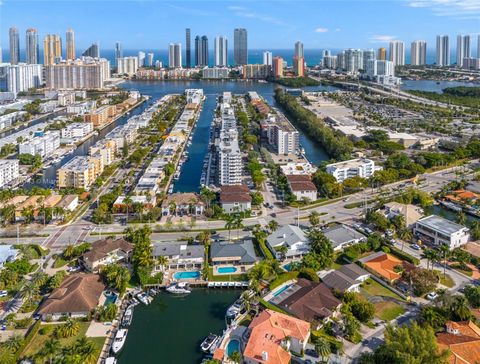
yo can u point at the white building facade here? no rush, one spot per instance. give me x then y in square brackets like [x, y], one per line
[352, 168]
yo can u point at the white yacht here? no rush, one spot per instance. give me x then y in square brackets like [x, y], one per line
[209, 341]
[119, 340]
[110, 360]
[127, 316]
[144, 298]
[178, 288]
[235, 308]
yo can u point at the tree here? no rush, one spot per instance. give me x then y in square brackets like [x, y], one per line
[321, 251]
[421, 280]
[351, 328]
[322, 347]
[162, 261]
[236, 357]
[413, 344]
[358, 306]
[431, 256]
[29, 291]
[127, 202]
[68, 329]
[50, 349]
[229, 224]
[472, 293]
[205, 237]
[445, 252]
[14, 342]
[272, 225]
[314, 218]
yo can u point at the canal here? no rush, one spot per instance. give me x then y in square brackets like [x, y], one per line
[171, 328]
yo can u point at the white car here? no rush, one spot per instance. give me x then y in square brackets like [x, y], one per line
[432, 295]
[3, 293]
[416, 247]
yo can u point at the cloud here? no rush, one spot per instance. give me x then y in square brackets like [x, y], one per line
[460, 9]
[378, 38]
[246, 13]
[321, 30]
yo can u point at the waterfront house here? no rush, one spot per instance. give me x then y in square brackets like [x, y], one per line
[77, 296]
[273, 336]
[463, 341]
[7, 254]
[106, 251]
[180, 204]
[147, 202]
[239, 253]
[235, 198]
[68, 203]
[346, 279]
[309, 301]
[438, 230]
[342, 236]
[302, 187]
[410, 213]
[179, 256]
[292, 238]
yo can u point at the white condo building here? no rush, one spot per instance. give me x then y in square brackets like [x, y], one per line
[175, 55]
[443, 51]
[268, 58]
[77, 130]
[355, 167]
[127, 65]
[86, 73]
[221, 51]
[397, 53]
[42, 145]
[22, 77]
[9, 170]
[418, 53]
[463, 49]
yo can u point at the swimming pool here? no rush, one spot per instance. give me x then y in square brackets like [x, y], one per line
[111, 298]
[193, 274]
[225, 270]
[281, 290]
[233, 345]
[288, 267]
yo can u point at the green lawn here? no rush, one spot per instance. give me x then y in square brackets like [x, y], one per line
[446, 280]
[282, 278]
[373, 288]
[38, 340]
[388, 310]
[60, 262]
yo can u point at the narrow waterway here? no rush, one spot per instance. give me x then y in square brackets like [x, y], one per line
[433, 86]
[171, 328]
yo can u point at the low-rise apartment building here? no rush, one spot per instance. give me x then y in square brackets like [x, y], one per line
[302, 187]
[76, 131]
[360, 167]
[440, 231]
[9, 170]
[79, 172]
[101, 116]
[43, 144]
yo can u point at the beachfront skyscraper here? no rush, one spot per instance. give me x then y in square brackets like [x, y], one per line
[397, 53]
[299, 50]
[443, 51]
[463, 49]
[267, 58]
[174, 55]
[70, 40]
[418, 53]
[52, 49]
[32, 49]
[188, 51]
[92, 51]
[221, 51]
[118, 51]
[240, 46]
[14, 45]
[382, 54]
[201, 51]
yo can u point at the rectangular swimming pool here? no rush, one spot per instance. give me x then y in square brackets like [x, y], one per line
[281, 290]
[225, 270]
[194, 274]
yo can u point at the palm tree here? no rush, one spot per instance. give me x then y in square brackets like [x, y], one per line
[127, 202]
[431, 256]
[29, 291]
[461, 218]
[460, 308]
[162, 261]
[69, 328]
[205, 237]
[314, 218]
[50, 349]
[14, 342]
[8, 213]
[39, 278]
[87, 350]
[229, 224]
[322, 347]
[238, 224]
[405, 235]
[69, 252]
[236, 357]
[272, 225]
[28, 214]
[445, 252]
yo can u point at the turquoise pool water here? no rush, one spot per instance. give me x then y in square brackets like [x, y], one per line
[226, 270]
[233, 345]
[194, 274]
[288, 267]
[281, 290]
[111, 298]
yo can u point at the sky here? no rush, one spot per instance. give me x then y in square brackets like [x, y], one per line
[273, 24]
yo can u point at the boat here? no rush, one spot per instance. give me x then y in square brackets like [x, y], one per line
[127, 316]
[110, 360]
[119, 340]
[234, 309]
[209, 341]
[143, 297]
[178, 288]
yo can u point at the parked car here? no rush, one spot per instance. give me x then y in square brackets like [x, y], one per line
[3, 293]
[416, 247]
[311, 352]
[432, 295]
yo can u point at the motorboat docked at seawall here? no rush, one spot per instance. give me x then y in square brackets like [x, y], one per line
[119, 340]
[110, 360]
[178, 288]
[234, 309]
[127, 316]
[144, 298]
[209, 341]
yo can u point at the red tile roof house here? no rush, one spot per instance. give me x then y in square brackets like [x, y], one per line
[105, 252]
[302, 187]
[235, 198]
[273, 336]
[77, 296]
[463, 340]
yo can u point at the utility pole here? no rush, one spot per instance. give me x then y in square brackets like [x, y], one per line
[298, 216]
[18, 234]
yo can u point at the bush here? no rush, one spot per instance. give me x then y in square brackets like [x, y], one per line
[23, 323]
[404, 256]
[45, 330]
[309, 274]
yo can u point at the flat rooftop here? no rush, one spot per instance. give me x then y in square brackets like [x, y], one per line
[441, 224]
